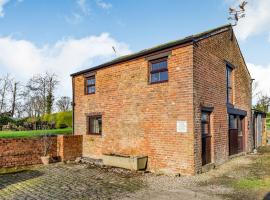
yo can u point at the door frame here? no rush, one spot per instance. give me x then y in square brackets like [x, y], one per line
[236, 140]
[206, 139]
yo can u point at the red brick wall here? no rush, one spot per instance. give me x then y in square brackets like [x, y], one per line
[27, 151]
[210, 90]
[140, 118]
[69, 147]
[21, 152]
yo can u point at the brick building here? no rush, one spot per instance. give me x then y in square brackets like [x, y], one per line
[185, 104]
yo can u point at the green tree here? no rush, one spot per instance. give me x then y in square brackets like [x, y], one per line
[263, 103]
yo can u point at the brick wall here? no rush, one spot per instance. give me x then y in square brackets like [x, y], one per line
[20, 152]
[69, 147]
[27, 151]
[140, 118]
[210, 90]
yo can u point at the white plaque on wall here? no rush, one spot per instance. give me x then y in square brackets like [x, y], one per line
[181, 126]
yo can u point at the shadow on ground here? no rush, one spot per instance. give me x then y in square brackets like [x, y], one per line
[17, 177]
[267, 196]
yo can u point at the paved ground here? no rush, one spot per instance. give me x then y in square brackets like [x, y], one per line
[76, 181]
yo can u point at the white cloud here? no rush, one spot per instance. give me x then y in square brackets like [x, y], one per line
[83, 7]
[261, 75]
[22, 58]
[2, 4]
[257, 19]
[103, 4]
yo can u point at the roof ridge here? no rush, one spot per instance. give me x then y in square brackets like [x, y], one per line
[157, 48]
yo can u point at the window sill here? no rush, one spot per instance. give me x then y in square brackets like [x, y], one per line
[90, 93]
[152, 83]
[94, 134]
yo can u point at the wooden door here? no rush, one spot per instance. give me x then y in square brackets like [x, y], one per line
[233, 141]
[233, 134]
[259, 130]
[236, 134]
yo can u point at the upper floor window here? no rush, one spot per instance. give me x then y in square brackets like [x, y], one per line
[229, 84]
[90, 85]
[159, 70]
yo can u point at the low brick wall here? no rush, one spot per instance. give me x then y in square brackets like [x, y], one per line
[23, 151]
[69, 147]
[27, 151]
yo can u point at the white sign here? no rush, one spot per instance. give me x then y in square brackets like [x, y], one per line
[181, 126]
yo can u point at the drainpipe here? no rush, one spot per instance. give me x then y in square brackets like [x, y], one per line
[73, 105]
[251, 124]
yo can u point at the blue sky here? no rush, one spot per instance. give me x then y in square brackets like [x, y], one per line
[64, 36]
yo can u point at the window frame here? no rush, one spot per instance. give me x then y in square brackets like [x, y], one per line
[207, 123]
[90, 85]
[151, 62]
[229, 87]
[89, 128]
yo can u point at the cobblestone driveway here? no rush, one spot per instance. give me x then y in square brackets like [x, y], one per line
[74, 181]
[68, 181]
[81, 181]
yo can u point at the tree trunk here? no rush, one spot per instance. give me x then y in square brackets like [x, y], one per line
[14, 99]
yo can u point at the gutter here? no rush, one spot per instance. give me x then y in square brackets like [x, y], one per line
[190, 39]
[135, 55]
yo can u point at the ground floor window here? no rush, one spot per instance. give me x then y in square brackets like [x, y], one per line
[95, 125]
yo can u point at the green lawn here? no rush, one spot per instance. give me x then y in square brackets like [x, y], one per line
[23, 134]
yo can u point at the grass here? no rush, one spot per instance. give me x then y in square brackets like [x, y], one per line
[253, 184]
[35, 133]
[14, 170]
[249, 181]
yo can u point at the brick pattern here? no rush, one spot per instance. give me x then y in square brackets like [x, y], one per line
[210, 90]
[21, 152]
[69, 147]
[27, 151]
[140, 118]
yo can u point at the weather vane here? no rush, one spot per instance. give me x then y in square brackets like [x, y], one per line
[237, 13]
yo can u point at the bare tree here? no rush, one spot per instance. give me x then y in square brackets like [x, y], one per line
[52, 82]
[237, 13]
[63, 104]
[5, 86]
[255, 90]
[41, 90]
[14, 100]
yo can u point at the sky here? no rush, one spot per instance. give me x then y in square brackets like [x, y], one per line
[64, 36]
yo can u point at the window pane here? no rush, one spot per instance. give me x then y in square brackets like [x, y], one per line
[99, 125]
[233, 122]
[154, 77]
[91, 81]
[229, 72]
[205, 117]
[229, 84]
[95, 125]
[91, 89]
[164, 76]
[159, 65]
